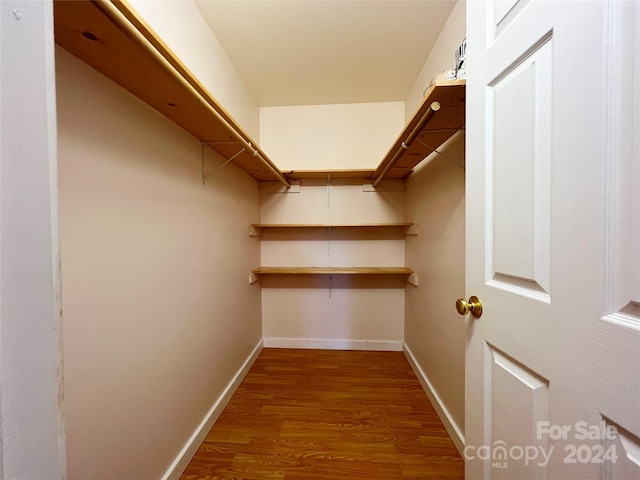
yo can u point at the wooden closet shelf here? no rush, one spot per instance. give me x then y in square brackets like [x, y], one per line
[325, 174]
[426, 131]
[110, 37]
[332, 271]
[331, 225]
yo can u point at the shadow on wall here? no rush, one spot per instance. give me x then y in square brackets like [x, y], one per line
[453, 150]
[338, 282]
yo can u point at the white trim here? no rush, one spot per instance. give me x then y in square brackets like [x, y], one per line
[449, 424]
[333, 344]
[192, 445]
[31, 407]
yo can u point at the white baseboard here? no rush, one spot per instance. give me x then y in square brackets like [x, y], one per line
[199, 434]
[333, 344]
[452, 428]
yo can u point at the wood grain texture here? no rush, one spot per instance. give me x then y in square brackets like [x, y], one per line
[127, 51]
[444, 123]
[327, 414]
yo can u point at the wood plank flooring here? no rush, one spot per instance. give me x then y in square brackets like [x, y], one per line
[327, 414]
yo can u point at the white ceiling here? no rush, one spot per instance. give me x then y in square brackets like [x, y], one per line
[312, 52]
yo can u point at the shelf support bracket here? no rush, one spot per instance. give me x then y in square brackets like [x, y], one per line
[231, 159]
[434, 150]
[203, 144]
[413, 279]
[433, 108]
[253, 278]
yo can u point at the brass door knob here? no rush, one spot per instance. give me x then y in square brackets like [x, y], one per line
[474, 305]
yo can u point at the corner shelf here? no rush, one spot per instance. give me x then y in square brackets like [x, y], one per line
[427, 130]
[110, 37]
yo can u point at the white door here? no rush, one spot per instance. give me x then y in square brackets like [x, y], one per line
[553, 239]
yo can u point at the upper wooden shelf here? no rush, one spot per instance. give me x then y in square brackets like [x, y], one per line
[332, 271]
[109, 36]
[439, 117]
[363, 174]
[255, 229]
[330, 225]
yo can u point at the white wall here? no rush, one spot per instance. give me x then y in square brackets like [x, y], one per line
[31, 390]
[158, 312]
[434, 333]
[184, 30]
[348, 136]
[342, 313]
[441, 58]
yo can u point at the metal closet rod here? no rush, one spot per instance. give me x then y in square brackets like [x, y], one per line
[118, 13]
[433, 108]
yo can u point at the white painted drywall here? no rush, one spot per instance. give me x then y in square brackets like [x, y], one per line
[341, 313]
[317, 137]
[441, 58]
[31, 384]
[184, 30]
[434, 332]
[158, 312]
[345, 313]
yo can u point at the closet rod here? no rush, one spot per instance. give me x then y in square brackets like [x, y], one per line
[433, 108]
[122, 14]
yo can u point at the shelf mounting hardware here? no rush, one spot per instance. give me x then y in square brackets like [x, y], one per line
[124, 17]
[232, 158]
[229, 160]
[433, 108]
[434, 150]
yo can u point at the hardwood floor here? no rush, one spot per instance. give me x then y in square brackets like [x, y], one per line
[327, 414]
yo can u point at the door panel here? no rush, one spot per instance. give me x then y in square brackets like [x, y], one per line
[553, 239]
[504, 11]
[520, 151]
[626, 448]
[518, 399]
[624, 175]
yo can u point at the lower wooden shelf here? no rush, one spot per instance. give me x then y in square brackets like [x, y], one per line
[332, 271]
